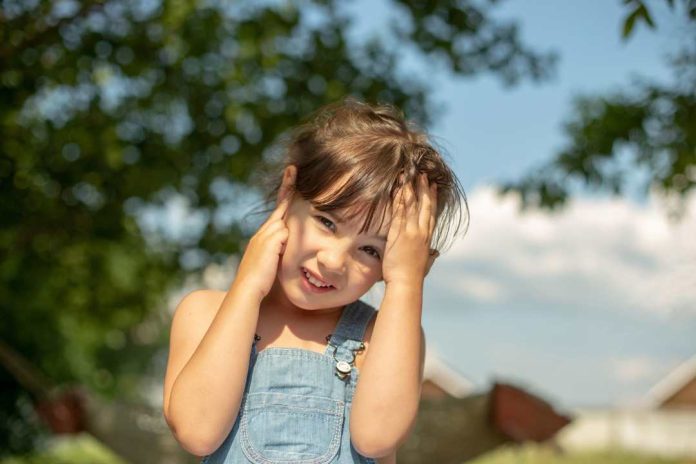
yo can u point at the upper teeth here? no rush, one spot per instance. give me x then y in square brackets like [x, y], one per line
[315, 282]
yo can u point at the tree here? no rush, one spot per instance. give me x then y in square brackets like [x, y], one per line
[654, 123]
[111, 107]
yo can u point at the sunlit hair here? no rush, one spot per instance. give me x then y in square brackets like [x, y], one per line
[349, 157]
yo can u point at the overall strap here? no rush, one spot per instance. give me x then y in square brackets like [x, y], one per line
[350, 330]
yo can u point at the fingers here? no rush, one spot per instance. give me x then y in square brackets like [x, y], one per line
[284, 194]
[425, 203]
[415, 208]
[281, 209]
[404, 202]
[397, 219]
[409, 199]
[433, 208]
[289, 175]
[427, 213]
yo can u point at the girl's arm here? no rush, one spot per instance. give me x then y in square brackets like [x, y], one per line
[208, 361]
[387, 396]
[391, 459]
[210, 345]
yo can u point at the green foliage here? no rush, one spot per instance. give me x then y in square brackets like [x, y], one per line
[111, 107]
[639, 11]
[648, 130]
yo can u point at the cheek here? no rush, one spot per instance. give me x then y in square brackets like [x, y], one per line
[300, 238]
[369, 270]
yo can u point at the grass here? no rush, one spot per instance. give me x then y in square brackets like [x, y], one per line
[81, 449]
[535, 454]
[84, 449]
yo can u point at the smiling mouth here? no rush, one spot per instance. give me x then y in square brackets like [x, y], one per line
[314, 281]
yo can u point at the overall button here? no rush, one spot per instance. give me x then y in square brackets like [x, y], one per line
[343, 369]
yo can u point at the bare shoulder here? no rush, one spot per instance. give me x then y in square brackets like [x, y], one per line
[198, 307]
[192, 317]
[194, 314]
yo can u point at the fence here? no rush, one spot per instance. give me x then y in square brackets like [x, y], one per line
[668, 433]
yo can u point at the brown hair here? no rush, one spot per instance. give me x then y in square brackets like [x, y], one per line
[350, 156]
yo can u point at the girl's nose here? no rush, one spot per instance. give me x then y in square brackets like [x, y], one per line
[332, 260]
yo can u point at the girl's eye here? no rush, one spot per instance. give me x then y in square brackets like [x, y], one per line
[330, 225]
[325, 221]
[374, 252]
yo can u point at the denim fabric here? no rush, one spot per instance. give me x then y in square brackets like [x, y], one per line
[295, 408]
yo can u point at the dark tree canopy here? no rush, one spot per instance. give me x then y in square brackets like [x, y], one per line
[110, 107]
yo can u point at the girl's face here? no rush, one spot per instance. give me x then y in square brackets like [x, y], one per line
[333, 253]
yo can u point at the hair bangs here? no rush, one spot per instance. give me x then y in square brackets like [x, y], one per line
[362, 195]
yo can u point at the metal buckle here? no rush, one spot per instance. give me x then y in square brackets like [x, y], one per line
[344, 368]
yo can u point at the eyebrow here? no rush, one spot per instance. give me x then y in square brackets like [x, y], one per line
[341, 220]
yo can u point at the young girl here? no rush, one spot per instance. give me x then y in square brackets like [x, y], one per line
[289, 365]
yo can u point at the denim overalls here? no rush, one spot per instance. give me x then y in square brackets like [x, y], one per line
[296, 407]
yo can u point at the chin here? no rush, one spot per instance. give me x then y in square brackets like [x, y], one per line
[295, 295]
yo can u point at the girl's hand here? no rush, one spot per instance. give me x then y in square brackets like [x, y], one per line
[408, 256]
[258, 268]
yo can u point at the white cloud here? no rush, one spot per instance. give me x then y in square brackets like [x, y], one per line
[484, 289]
[636, 368]
[601, 253]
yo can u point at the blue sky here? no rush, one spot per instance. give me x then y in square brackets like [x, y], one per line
[578, 336]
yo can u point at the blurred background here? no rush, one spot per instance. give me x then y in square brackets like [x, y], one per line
[560, 328]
